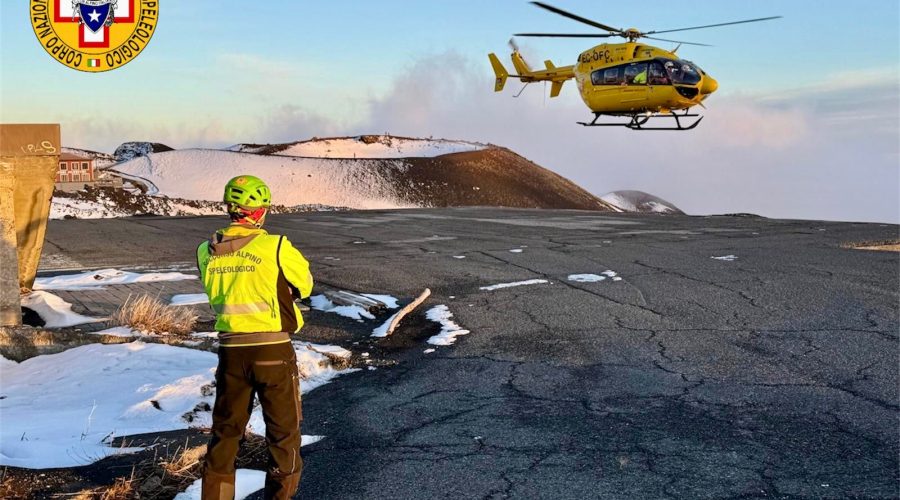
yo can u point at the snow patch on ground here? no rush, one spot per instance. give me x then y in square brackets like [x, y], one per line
[62, 410]
[322, 303]
[594, 278]
[727, 258]
[56, 312]
[187, 299]
[99, 278]
[246, 482]
[330, 349]
[498, 286]
[586, 278]
[388, 300]
[308, 440]
[612, 274]
[118, 331]
[449, 329]
[61, 208]
[378, 147]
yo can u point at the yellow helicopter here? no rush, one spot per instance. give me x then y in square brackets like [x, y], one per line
[631, 79]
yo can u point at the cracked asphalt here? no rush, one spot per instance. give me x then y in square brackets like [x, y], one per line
[774, 375]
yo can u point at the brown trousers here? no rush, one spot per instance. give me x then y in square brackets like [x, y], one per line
[269, 371]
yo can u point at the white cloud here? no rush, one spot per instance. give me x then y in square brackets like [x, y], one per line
[105, 133]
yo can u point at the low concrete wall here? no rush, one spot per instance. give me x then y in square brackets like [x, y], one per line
[29, 159]
[19, 343]
[71, 187]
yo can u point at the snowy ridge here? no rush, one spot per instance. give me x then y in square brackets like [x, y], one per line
[363, 173]
[384, 147]
[102, 203]
[246, 148]
[73, 208]
[365, 146]
[639, 201]
[199, 174]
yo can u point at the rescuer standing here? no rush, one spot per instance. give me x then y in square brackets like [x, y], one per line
[252, 279]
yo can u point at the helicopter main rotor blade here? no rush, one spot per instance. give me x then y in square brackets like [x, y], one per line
[677, 41]
[575, 17]
[714, 25]
[569, 35]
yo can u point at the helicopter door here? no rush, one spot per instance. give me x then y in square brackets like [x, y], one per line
[660, 85]
[636, 90]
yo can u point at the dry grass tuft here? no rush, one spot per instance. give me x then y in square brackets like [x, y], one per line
[149, 314]
[122, 489]
[186, 463]
[884, 245]
[165, 476]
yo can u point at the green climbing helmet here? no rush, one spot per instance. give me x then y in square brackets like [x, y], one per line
[248, 192]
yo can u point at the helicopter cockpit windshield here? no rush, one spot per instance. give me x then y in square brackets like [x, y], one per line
[682, 72]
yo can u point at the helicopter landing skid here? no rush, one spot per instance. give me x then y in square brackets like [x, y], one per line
[637, 122]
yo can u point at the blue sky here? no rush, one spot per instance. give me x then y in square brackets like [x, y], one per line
[218, 73]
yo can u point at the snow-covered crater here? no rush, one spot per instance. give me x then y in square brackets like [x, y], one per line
[365, 146]
[199, 174]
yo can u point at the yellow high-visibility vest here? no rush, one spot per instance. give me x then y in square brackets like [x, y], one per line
[249, 276]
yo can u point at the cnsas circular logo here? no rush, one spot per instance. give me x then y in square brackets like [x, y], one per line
[94, 35]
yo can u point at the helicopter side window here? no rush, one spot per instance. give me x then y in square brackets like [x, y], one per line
[612, 76]
[636, 74]
[657, 74]
[608, 76]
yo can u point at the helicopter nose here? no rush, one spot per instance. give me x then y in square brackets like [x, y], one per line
[709, 85]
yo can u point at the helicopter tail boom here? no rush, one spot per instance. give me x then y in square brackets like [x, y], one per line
[522, 67]
[555, 75]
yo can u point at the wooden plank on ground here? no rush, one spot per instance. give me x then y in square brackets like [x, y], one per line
[408, 308]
